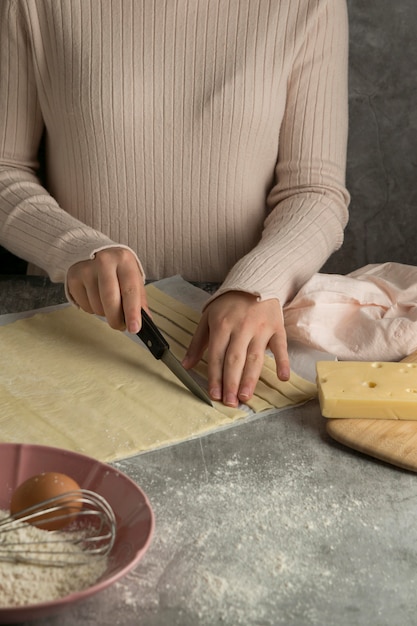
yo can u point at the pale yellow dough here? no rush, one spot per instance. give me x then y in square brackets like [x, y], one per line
[68, 380]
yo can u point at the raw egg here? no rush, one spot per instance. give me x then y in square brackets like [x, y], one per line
[35, 490]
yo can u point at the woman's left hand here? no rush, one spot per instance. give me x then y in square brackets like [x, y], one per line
[236, 329]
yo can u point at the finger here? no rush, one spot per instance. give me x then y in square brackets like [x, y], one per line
[95, 299]
[79, 294]
[197, 345]
[252, 369]
[83, 287]
[279, 348]
[227, 354]
[109, 298]
[217, 347]
[76, 287]
[132, 296]
[233, 367]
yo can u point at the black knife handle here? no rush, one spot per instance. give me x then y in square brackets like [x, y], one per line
[151, 337]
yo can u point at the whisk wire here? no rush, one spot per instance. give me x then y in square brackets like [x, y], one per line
[92, 528]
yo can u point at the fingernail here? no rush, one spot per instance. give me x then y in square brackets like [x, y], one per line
[216, 393]
[284, 373]
[133, 327]
[245, 393]
[230, 400]
[186, 360]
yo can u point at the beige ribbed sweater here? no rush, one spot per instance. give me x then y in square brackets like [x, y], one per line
[175, 127]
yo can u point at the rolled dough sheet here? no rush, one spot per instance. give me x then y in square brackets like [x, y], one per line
[69, 380]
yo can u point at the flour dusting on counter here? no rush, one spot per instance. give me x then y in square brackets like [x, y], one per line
[256, 528]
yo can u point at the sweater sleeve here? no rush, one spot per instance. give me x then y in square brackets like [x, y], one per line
[32, 225]
[308, 200]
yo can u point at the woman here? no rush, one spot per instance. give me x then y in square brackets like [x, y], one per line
[206, 139]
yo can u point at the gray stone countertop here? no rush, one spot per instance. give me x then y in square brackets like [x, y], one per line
[266, 523]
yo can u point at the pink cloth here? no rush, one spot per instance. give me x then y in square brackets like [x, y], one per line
[370, 314]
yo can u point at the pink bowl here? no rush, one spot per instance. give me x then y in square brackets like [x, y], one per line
[134, 515]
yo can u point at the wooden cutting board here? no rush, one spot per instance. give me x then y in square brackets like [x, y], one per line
[392, 441]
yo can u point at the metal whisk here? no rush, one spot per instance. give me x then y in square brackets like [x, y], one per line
[91, 532]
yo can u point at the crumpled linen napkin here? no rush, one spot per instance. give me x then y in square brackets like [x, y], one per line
[369, 314]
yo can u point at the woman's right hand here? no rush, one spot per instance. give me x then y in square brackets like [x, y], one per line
[111, 285]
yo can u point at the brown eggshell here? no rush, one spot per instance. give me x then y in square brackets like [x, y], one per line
[35, 490]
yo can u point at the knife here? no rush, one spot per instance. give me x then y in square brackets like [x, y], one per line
[159, 348]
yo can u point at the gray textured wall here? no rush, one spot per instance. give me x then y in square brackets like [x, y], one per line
[382, 157]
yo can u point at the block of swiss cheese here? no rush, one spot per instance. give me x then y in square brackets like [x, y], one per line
[375, 390]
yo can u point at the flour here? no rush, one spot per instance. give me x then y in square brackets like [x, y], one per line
[259, 542]
[23, 584]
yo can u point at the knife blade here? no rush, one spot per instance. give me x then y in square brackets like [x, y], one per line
[159, 348]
